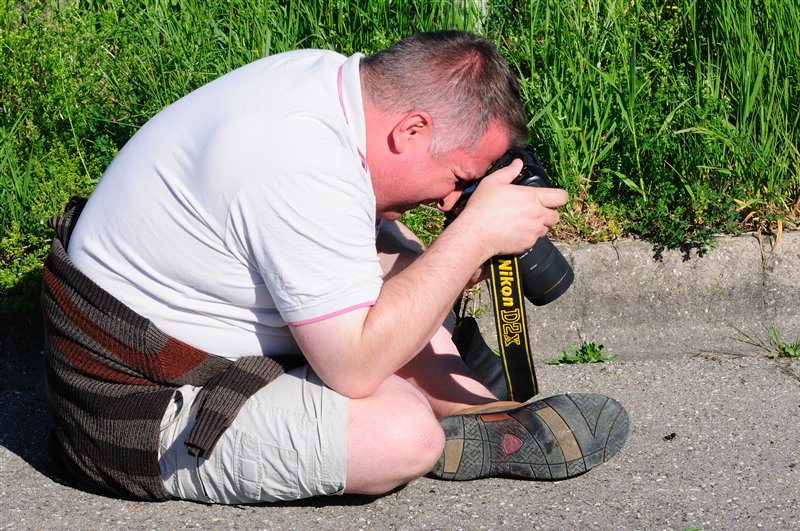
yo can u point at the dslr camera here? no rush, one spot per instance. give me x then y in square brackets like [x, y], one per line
[544, 272]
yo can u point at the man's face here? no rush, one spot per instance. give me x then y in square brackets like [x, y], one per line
[439, 181]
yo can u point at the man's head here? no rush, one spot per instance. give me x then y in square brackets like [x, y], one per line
[440, 107]
[456, 77]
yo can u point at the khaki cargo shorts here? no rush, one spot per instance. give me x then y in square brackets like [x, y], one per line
[289, 441]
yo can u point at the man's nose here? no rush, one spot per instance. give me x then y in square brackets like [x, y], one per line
[446, 203]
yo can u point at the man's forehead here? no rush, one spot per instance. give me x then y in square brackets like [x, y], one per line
[492, 145]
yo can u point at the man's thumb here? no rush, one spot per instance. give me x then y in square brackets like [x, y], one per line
[507, 174]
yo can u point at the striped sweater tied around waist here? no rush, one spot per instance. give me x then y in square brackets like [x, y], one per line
[111, 373]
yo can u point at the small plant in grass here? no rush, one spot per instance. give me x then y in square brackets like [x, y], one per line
[588, 352]
[773, 344]
[472, 305]
[788, 350]
[424, 221]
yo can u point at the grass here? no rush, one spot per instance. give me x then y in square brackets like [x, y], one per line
[671, 121]
[472, 304]
[656, 115]
[772, 344]
[587, 352]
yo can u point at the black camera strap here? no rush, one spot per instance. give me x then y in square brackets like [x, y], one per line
[512, 328]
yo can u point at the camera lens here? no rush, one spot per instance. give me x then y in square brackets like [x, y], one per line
[545, 272]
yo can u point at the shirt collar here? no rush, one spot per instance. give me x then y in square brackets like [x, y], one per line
[349, 87]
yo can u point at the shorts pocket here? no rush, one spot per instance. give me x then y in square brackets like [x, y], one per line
[265, 472]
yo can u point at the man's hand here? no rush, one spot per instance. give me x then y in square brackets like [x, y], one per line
[508, 219]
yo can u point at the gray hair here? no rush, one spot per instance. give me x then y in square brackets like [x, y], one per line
[458, 78]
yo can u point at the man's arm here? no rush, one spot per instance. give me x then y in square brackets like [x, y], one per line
[356, 351]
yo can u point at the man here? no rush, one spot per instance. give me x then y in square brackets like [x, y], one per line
[257, 217]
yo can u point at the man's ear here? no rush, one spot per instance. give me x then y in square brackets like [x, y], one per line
[413, 130]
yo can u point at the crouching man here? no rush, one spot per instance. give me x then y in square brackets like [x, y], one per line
[236, 315]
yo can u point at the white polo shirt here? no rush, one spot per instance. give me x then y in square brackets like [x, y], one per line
[243, 206]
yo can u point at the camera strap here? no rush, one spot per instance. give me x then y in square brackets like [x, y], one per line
[512, 328]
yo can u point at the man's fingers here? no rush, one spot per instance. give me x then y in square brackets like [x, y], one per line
[552, 197]
[548, 197]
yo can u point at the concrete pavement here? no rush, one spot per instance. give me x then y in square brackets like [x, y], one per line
[715, 422]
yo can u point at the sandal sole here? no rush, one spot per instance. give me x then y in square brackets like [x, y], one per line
[555, 438]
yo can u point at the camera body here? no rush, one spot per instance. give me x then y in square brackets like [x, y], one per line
[544, 272]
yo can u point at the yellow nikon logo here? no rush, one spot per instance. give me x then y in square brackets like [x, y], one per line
[509, 312]
[511, 326]
[512, 332]
[506, 273]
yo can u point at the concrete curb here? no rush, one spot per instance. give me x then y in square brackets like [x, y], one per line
[641, 307]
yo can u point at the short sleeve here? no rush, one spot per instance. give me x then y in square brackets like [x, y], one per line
[308, 228]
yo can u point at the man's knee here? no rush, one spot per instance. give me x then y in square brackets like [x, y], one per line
[408, 422]
[394, 437]
[416, 433]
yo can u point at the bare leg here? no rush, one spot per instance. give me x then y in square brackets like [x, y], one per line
[440, 374]
[393, 437]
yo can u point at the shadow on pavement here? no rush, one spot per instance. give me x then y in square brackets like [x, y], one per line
[24, 421]
[24, 424]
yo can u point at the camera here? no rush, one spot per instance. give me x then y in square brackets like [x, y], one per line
[544, 272]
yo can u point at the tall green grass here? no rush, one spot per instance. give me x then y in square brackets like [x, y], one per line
[672, 121]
